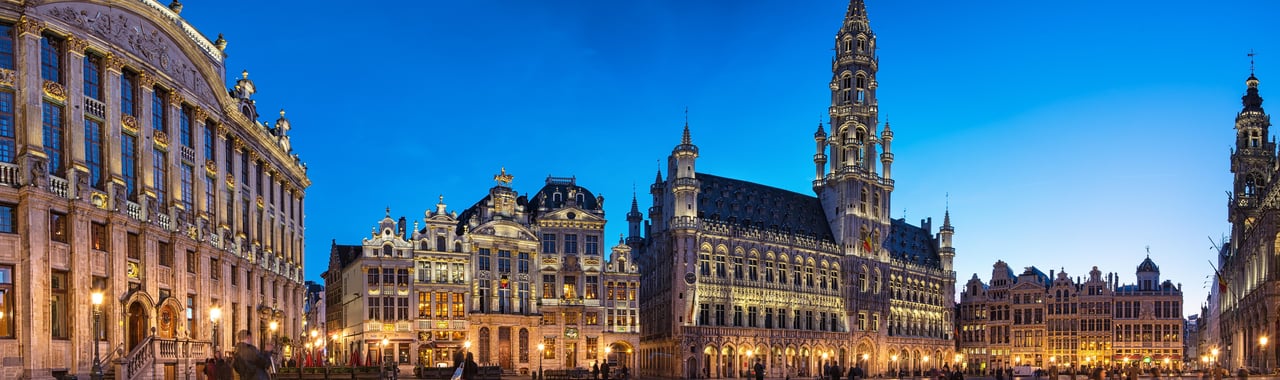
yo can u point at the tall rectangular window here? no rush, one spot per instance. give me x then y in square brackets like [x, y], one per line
[160, 176]
[482, 259]
[458, 306]
[442, 305]
[210, 141]
[8, 214]
[188, 187]
[58, 227]
[93, 152]
[128, 92]
[244, 168]
[51, 59]
[8, 137]
[128, 164]
[158, 114]
[59, 315]
[593, 245]
[548, 286]
[193, 262]
[191, 313]
[571, 244]
[504, 261]
[548, 243]
[523, 264]
[133, 244]
[593, 285]
[51, 122]
[93, 77]
[210, 205]
[6, 297]
[186, 136]
[98, 238]
[6, 49]
[166, 253]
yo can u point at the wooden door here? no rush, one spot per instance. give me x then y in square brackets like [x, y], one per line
[504, 348]
[137, 325]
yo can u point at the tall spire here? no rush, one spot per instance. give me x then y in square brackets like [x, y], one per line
[857, 8]
[685, 138]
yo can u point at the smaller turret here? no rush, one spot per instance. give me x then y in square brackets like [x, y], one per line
[946, 250]
[886, 158]
[820, 158]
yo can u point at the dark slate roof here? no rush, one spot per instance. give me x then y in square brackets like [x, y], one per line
[1148, 266]
[465, 217]
[346, 254]
[545, 197]
[1041, 278]
[746, 203]
[912, 244]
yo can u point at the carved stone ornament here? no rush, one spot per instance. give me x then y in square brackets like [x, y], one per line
[37, 172]
[55, 91]
[141, 38]
[175, 99]
[211, 167]
[145, 80]
[199, 114]
[129, 122]
[27, 25]
[113, 63]
[260, 201]
[77, 45]
[7, 77]
[231, 180]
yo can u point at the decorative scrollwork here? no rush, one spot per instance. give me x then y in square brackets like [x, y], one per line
[129, 122]
[55, 90]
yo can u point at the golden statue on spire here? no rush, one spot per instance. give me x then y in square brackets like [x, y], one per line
[503, 177]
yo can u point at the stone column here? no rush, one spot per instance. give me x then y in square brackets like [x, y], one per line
[112, 169]
[28, 100]
[76, 173]
[145, 144]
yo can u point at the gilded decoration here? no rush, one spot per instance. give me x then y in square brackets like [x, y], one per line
[146, 80]
[77, 45]
[211, 167]
[175, 99]
[7, 77]
[99, 200]
[27, 25]
[55, 90]
[260, 201]
[129, 122]
[161, 138]
[113, 63]
[231, 180]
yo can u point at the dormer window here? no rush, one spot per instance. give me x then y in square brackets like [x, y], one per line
[860, 83]
[1255, 139]
[556, 197]
[386, 249]
[862, 44]
[848, 45]
[580, 199]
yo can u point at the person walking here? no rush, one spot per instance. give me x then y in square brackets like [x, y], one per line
[470, 371]
[759, 368]
[250, 362]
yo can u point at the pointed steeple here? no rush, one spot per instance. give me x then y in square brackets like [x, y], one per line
[857, 8]
[685, 139]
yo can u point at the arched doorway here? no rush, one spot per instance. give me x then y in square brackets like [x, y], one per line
[139, 321]
[168, 323]
[620, 354]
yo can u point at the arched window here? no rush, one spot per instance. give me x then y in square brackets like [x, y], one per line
[848, 44]
[581, 199]
[441, 244]
[846, 86]
[875, 204]
[860, 83]
[862, 207]
[387, 250]
[457, 246]
[524, 345]
[484, 345]
[862, 44]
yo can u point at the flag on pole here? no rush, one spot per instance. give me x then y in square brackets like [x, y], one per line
[866, 243]
[1222, 281]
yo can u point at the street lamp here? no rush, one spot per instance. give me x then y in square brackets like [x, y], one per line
[1263, 342]
[382, 369]
[273, 325]
[215, 314]
[1213, 359]
[334, 353]
[894, 359]
[541, 347]
[96, 299]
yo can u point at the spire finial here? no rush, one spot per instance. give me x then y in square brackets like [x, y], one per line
[685, 139]
[1148, 252]
[388, 211]
[1251, 54]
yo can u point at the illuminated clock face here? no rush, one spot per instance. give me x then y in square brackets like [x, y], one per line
[689, 278]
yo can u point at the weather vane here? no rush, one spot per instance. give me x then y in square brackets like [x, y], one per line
[1251, 54]
[503, 177]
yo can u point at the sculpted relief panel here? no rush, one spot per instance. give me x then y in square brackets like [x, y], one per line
[137, 36]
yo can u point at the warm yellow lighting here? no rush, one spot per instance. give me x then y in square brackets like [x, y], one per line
[865, 356]
[272, 326]
[385, 341]
[308, 345]
[1052, 359]
[1204, 359]
[894, 358]
[319, 343]
[466, 344]
[215, 314]
[96, 299]
[314, 333]
[607, 350]
[541, 347]
[925, 359]
[335, 337]
[1214, 352]
[1262, 341]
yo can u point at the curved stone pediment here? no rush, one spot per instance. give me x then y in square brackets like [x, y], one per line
[141, 38]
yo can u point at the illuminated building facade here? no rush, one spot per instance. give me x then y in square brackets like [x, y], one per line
[128, 168]
[735, 272]
[1042, 320]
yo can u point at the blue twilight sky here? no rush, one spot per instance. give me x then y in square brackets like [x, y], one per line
[1067, 133]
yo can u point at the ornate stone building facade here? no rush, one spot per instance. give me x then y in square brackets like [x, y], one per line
[1040, 320]
[128, 168]
[735, 272]
[507, 274]
[1248, 304]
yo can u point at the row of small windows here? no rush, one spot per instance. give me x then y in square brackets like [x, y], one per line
[772, 318]
[590, 244]
[801, 275]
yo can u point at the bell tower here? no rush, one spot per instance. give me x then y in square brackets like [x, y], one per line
[1252, 159]
[855, 196]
